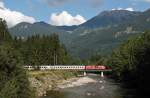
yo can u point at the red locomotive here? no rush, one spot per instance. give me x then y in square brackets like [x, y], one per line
[94, 67]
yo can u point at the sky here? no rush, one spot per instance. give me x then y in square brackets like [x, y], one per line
[63, 12]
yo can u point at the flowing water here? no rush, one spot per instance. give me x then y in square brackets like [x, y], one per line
[102, 88]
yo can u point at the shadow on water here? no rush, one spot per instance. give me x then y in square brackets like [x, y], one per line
[128, 93]
[133, 93]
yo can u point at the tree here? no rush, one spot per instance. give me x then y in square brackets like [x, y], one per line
[131, 63]
[13, 79]
[42, 50]
[14, 82]
[4, 34]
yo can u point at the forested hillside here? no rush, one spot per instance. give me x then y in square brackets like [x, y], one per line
[38, 50]
[105, 31]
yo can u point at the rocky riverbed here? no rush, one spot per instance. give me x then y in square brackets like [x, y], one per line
[91, 86]
[45, 81]
[74, 82]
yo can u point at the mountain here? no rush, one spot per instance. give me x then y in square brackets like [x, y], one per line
[26, 29]
[67, 28]
[107, 18]
[42, 28]
[98, 35]
[104, 38]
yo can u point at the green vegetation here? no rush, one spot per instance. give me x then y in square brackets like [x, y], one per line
[4, 35]
[53, 73]
[13, 79]
[131, 63]
[16, 52]
[38, 50]
[98, 60]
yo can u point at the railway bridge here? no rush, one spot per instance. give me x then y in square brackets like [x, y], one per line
[83, 68]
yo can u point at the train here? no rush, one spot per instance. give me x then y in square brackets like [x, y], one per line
[67, 67]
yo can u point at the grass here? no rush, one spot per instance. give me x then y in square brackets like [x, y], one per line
[54, 73]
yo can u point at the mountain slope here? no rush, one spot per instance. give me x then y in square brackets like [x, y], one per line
[27, 29]
[103, 39]
[98, 35]
[108, 18]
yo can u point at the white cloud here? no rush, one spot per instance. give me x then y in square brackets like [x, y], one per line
[128, 9]
[64, 18]
[13, 17]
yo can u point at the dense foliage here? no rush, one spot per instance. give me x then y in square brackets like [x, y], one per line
[4, 35]
[39, 50]
[97, 60]
[131, 63]
[13, 78]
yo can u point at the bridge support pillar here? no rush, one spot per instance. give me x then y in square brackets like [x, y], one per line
[102, 74]
[84, 73]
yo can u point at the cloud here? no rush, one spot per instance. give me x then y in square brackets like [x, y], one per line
[13, 17]
[64, 18]
[128, 9]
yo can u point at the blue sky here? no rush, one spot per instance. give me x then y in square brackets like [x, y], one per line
[42, 10]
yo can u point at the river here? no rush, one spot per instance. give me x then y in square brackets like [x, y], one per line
[97, 88]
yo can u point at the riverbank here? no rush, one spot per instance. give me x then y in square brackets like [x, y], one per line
[90, 86]
[43, 81]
